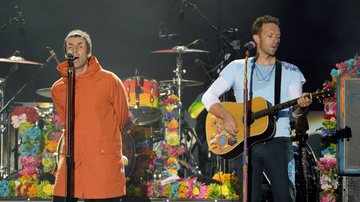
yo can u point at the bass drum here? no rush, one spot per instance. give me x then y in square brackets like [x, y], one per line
[143, 99]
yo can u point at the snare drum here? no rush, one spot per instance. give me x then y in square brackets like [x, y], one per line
[143, 99]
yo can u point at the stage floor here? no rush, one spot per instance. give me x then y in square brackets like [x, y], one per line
[16, 199]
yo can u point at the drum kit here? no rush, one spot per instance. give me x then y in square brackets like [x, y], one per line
[15, 61]
[144, 95]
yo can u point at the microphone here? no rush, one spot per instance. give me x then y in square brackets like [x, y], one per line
[70, 56]
[183, 4]
[250, 45]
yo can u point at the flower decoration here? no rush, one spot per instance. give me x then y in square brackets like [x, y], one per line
[44, 189]
[327, 164]
[329, 178]
[36, 151]
[28, 113]
[170, 120]
[5, 188]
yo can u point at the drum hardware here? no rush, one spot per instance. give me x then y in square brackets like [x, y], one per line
[19, 60]
[180, 83]
[195, 172]
[16, 59]
[45, 92]
[184, 82]
[180, 50]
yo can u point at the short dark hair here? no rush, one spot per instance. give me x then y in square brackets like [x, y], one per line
[256, 28]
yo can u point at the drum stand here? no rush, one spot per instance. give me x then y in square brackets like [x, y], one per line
[4, 126]
[177, 81]
[2, 129]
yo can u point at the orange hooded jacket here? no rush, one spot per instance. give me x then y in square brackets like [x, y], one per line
[101, 110]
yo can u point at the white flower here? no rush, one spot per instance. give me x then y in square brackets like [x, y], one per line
[16, 121]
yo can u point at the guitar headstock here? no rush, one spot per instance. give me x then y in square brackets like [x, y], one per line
[323, 93]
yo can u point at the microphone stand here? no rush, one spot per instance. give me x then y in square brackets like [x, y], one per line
[213, 27]
[70, 129]
[246, 107]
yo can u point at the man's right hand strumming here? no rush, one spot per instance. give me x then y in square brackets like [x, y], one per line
[229, 120]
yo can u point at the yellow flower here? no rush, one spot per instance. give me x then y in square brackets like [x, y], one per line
[170, 107]
[196, 191]
[224, 190]
[171, 160]
[23, 127]
[175, 97]
[225, 178]
[172, 170]
[172, 139]
[182, 190]
[47, 162]
[217, 176]
[48, 189]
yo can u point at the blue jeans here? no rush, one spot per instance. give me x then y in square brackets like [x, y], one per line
[276, 158]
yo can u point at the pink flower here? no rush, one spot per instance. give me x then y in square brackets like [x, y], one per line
[328, 197]
[57, 120]
[203, 191]
[30, 171]
[57, 135]
[149, 191]
[190, 186]
[30, 161]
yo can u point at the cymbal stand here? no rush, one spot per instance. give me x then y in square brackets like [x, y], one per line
[177, 80]
[5, 170]
[4, 107]
[2, 129]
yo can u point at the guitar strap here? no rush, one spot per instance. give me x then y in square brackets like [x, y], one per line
[278, 68]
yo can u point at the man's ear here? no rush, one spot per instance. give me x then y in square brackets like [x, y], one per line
[256, 38]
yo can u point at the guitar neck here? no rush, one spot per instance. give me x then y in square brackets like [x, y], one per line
[274, 109]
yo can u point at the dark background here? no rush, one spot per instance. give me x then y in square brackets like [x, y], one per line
[316, 35]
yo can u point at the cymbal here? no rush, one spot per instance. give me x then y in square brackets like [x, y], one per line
[184, 82]
[19, 60]
[180, 49]
[46, 92]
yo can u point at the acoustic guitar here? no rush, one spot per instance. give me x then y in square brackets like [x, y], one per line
[261, 119]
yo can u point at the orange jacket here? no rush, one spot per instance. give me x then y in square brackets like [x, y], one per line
[101, 111]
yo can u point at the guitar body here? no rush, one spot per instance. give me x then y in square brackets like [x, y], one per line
[230, 146]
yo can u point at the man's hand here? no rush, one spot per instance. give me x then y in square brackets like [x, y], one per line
[229, 120]
[230, 123]
[305, 100]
